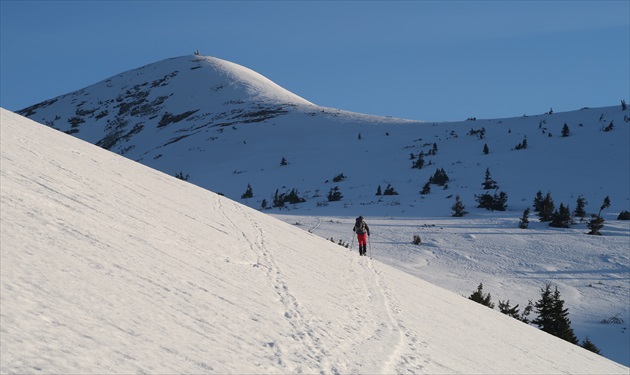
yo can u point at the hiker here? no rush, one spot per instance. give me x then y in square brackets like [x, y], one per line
[362, 230]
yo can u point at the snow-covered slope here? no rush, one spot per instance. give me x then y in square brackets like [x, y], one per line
[111, 267]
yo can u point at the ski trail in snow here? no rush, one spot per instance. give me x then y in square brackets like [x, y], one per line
[405, 356]
[314, 354]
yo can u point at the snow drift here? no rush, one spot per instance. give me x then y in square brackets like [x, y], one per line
[109, 267]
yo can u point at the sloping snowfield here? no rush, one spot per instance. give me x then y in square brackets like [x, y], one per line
[108, 266]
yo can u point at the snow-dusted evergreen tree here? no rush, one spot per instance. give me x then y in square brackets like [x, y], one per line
[248, 193]
[552, 316]
[579, 207]
[389, 190]
[489, 183]
[439, 178]
[505, 308]
[561, 218]
[426, 189]
[479, 297]
[283, 161]
[379, 191]
[524, 220]
[597, 222]
[419, 162]
[458, 207]
[486, 150]
[492, 202]
[334, 194]
[565, 130]
[588, 345]
[547, 208]
[538, 201]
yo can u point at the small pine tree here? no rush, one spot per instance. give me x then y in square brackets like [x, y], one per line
[624, 215]
[458, 208]
[419, 162]
[264, 205]
[181, 176]
[547, 208]
[579, 207]
[552, 316]
[610, 127]
[389, 190]
[338, 178]
[283, 161]
[561, 218]
[486, 150]
[426, 189]
[597, 222]
[379, 191]
[538, 201]
[588, 345]
[500, 201]
[505, 308]
[565, 130]
[524, 220]
[334, 194]
[489, 183]
[248, 193]
[479, 297]
[624, 106]
[439, 178]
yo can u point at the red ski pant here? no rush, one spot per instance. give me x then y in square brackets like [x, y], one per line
[362, 239]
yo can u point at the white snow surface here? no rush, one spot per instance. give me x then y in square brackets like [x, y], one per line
[108, 266]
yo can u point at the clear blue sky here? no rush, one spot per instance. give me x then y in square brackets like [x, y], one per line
[423, 60]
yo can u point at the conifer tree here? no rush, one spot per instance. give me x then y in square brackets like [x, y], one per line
[479, 297]
[552, 316]
[283, 161]
[426, 189]
[439, 177]
[248, 193]
[565, 130]
[379, 191]
[334, 194]
[419, 162]
[486, 150]
[588, 345]
[458, 208]
[547, 208]
[505, 308]
[538, 201]
[488, 182]
[561, 218]
[579, 207]
[597, 222]
[524, 220]
[389, 190]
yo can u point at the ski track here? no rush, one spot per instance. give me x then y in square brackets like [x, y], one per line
[313, 354]
[405, 356]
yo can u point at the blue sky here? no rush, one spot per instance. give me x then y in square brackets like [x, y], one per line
[422, 60]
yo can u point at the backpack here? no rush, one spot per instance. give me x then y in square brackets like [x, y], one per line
[359, 227]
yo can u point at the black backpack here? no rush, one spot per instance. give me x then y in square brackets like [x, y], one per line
[359, 226]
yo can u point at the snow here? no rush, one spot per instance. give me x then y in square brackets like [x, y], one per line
[108, 266]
